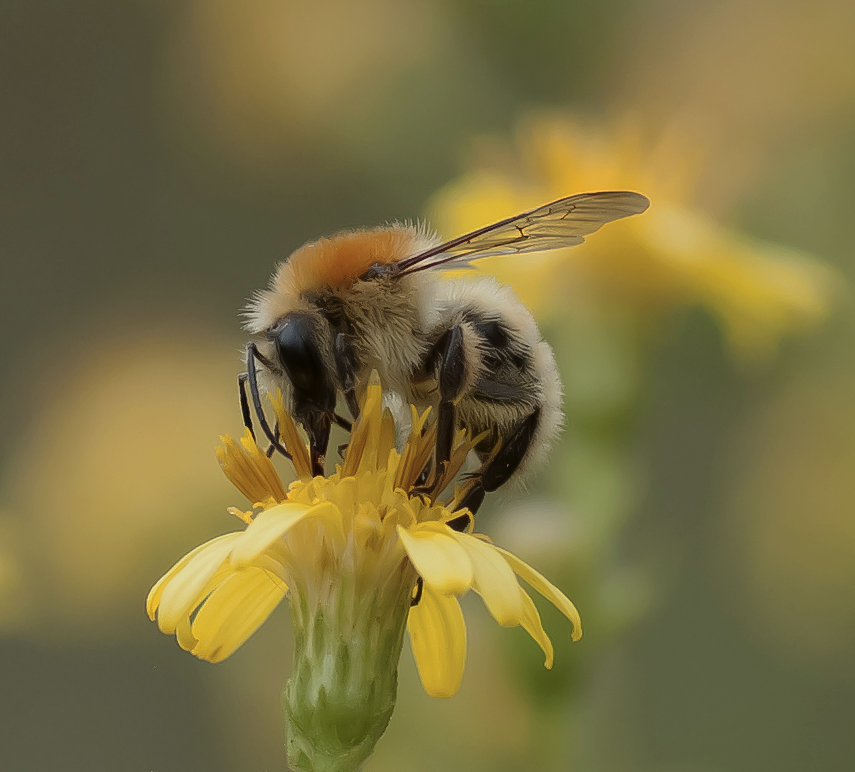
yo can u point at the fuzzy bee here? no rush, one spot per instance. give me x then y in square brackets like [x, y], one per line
[376, 299]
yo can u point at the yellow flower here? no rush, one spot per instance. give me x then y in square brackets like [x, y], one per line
[673, 255]
[362, 556]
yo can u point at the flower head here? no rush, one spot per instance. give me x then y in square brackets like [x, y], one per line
[362, 556]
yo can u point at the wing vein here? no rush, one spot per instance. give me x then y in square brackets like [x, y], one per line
[561, 223]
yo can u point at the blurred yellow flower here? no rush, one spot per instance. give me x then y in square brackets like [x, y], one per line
[103, 442]
[673, 255]
[350, 550]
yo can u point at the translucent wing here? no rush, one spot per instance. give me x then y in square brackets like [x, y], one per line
[563, 223]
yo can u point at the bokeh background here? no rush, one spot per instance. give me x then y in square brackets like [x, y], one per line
[158, 158]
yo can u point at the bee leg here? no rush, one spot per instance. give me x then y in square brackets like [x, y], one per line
[345, 365]
[462, 522]
[499, 468]
[251, 377]
[271, 449]
[452, 370]
[247, 415]
[342, 422]
[244, 403]
[472, 499]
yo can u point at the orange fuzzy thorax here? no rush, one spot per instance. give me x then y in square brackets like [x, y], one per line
[336, 262]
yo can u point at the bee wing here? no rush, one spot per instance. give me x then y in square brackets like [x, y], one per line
[563, 223]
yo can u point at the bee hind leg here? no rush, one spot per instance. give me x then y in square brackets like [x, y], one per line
[501, 466]
[473, 498]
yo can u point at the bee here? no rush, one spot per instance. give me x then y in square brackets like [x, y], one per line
[376, 299]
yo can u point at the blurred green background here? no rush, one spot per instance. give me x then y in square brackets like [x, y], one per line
[157, 159]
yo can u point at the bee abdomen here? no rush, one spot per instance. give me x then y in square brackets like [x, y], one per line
[501, 347]
[517, 381]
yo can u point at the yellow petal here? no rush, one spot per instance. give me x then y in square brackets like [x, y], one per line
[407, 471]
[386, 440]
[234, 611]
[274, 523]
[438, 636]
[153, 599]
[291, 438]
[461, 448]
[361, 455]
[184, 636]
[547, 589]
[494, 581]
[248, 468]
[263, 467]
[438, 558]
[531, 624]
[186, 588]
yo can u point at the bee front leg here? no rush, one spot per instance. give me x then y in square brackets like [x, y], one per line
[271, 448]
[245, 411]
[250, 377]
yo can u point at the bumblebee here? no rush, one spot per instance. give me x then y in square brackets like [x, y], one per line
[376, 299]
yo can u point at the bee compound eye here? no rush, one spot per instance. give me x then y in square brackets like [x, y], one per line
[297, 349]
